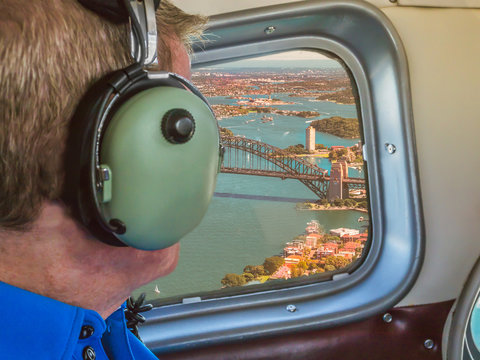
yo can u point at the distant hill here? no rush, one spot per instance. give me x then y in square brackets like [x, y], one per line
[344, 96]
[346, 128]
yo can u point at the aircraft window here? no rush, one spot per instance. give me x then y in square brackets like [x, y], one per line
[246, 229]
[290, 206]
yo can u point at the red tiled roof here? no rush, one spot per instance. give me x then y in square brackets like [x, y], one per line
[330, 245]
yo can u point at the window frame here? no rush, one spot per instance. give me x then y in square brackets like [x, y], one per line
[365, 40]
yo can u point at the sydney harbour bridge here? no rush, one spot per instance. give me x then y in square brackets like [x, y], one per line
[252, 157]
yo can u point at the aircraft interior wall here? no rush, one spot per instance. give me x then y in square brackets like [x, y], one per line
[443, 54]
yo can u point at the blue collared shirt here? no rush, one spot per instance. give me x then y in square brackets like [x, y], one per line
[37, 327]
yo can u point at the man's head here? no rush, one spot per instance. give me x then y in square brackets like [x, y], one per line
[51, 52]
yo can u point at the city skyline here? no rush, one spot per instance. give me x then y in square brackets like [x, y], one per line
[290, 59]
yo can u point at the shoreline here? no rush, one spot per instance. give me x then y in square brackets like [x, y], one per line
[331, 208]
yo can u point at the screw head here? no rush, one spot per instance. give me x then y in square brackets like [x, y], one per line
[387, 317]
[390, 148]
[269, 30]
[429, 344]
[291, 308]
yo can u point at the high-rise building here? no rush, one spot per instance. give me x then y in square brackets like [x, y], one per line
[310, 138]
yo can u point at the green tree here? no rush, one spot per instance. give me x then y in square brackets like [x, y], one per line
[307, 205]
[330, 268]
[296, 271]
[248, 276]
[350, 203]
[337, 261]
[363, 204]
[248, 269]
[359, 159]
[320, 147]
[323, 202]
[302, 265]
[272, 263]
[295, 149]
[255, 270]
[226, 132]
[231, 280]
[338, 202]
[331, 238]
[347, 128]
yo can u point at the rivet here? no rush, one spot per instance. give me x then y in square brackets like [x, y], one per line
[291, 308]
[390, 148]
[387, 317]
[393, 1]
[429, 344]
[270, 30]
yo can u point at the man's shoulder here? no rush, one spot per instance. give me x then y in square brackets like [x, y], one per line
[35, 326]
[38, 327]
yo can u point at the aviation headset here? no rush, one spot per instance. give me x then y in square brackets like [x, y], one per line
[144, 148]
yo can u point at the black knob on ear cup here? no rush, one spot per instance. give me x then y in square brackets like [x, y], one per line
[178, 126]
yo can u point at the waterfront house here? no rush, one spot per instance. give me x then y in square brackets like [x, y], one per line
[312, 240]
[327, 249]
[351, 246]
[291, 250]
[283, 272]
[293, 260]
[346, 254]
[344, 231]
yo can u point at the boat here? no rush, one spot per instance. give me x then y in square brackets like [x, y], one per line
[266, 119]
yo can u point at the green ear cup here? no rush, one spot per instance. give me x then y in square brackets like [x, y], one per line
[159, 189]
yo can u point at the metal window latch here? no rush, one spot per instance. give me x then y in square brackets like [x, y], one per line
[145, 14]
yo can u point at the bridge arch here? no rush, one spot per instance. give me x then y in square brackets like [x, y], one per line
[286, 166]
[289, 167]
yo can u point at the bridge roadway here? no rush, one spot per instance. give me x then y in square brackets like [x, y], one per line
[284, 175]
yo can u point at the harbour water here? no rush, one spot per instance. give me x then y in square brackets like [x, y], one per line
[236, 231]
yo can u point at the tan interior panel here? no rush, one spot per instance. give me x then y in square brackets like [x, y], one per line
[443, 52]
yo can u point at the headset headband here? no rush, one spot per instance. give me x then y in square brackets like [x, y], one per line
[143, 25]
[112, 10]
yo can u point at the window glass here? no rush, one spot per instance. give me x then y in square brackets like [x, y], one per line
[291, 202]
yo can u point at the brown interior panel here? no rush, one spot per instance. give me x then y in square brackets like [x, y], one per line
[402, 338]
